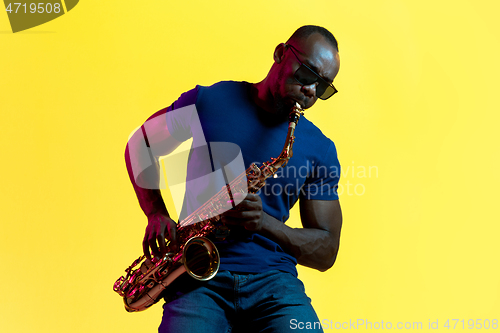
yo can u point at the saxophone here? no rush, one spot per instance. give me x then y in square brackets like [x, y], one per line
[145, 280]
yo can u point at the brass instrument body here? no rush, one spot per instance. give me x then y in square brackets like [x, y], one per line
[145, 280]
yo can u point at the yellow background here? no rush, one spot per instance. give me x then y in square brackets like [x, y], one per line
[417, 102]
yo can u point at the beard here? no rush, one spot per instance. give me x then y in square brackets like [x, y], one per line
[280, 106]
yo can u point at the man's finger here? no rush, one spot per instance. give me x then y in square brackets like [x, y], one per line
[230, 220]
[252, 197]
[145, 248]
[154, 247]
[235, 213]
[163, 247]
[172, 232]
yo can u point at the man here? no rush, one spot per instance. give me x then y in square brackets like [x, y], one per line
[256, 288]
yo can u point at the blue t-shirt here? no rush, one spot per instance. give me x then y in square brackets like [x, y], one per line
[228, 114]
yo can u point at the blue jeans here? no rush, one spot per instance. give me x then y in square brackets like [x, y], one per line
[272, 301]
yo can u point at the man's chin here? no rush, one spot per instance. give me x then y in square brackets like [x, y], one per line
[282, 106]
[288, 104]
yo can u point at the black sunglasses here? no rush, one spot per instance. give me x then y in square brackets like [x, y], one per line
[306, 76]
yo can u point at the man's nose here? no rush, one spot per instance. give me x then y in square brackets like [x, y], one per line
[310, 89]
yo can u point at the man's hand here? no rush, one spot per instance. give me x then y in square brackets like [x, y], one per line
[248, 213]
[314, 245]
[160, 227]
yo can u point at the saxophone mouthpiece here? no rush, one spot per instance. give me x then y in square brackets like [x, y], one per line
[297, 108]
[295, 114]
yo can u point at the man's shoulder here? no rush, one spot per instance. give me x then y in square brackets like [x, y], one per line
[226, 92]
[221, 86]
[314, 141]
[313, 131]
[224, 85]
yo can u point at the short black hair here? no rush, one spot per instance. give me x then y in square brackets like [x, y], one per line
[307, 30]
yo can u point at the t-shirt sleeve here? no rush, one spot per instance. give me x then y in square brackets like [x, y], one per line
[180, 113]
[322, 182]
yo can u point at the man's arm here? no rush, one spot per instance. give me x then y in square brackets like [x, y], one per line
[325, 216]
[141, 157]
[315, 245]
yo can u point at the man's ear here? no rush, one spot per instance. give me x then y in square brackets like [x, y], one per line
[279, 53]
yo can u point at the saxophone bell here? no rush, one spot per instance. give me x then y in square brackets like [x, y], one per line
[201, 258]
[147, 280]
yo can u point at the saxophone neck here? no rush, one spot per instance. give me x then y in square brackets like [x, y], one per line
[287, 151]
[293, 119]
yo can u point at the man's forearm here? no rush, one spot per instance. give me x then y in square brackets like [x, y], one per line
[150, 200]
[315, 248]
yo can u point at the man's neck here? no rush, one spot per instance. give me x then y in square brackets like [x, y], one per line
[261, 95]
